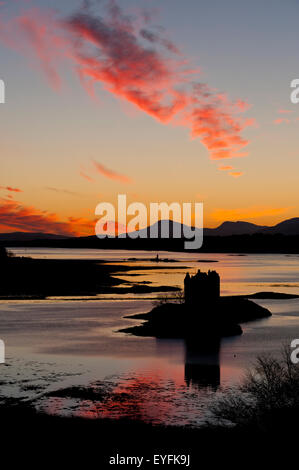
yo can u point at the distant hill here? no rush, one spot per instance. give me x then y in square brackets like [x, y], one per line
[28, 236]
[226, 229]
[287, 227]
[234, 228]
[229, 237]
[162, 227]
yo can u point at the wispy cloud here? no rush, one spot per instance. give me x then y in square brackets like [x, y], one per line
[225, 167]
[236, 174]
[135, 64]
[155, 38]
[13, 190]
[16, 216]
[281, 121]
[87, 177]
[64, 191]
[113, 175]
[285, 111]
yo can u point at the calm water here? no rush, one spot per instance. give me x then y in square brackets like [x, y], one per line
[55, 344]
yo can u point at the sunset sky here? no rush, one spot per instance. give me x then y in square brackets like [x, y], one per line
[160, 100]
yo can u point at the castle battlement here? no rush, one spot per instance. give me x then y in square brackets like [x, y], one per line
[201, 287]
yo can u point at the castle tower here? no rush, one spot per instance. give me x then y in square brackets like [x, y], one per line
[187, 289]
[201, 287]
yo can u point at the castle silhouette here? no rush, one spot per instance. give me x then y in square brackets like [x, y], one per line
[201, 287]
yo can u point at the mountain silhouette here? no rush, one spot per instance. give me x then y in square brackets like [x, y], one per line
[287, 227]
[160, 229]
[164, 227]
[235, 228]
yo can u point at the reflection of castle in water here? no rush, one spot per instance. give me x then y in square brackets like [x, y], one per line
[201, 362]
[202, 357]
[202, 366]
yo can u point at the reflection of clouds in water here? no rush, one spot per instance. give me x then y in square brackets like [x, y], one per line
[155, 391]
[77, 343]
[151, 398]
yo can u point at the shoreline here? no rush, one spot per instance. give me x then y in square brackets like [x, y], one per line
[266, 295]
[57, 436]
[39, 279]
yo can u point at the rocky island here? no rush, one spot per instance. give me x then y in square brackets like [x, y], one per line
[203, 314]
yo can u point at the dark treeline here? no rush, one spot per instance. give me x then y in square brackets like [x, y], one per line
[255, 243]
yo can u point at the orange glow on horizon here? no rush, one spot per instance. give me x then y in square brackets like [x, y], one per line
[221, 215]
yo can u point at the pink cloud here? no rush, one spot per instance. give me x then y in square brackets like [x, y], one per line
[281, 120]
[16, 216]
[113, 50]
[34, 34]
[9, 188]
[113, 175]
[226, 167]
[284, 111]
[87, 177]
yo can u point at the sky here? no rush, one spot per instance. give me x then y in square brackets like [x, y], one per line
[158, 100]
